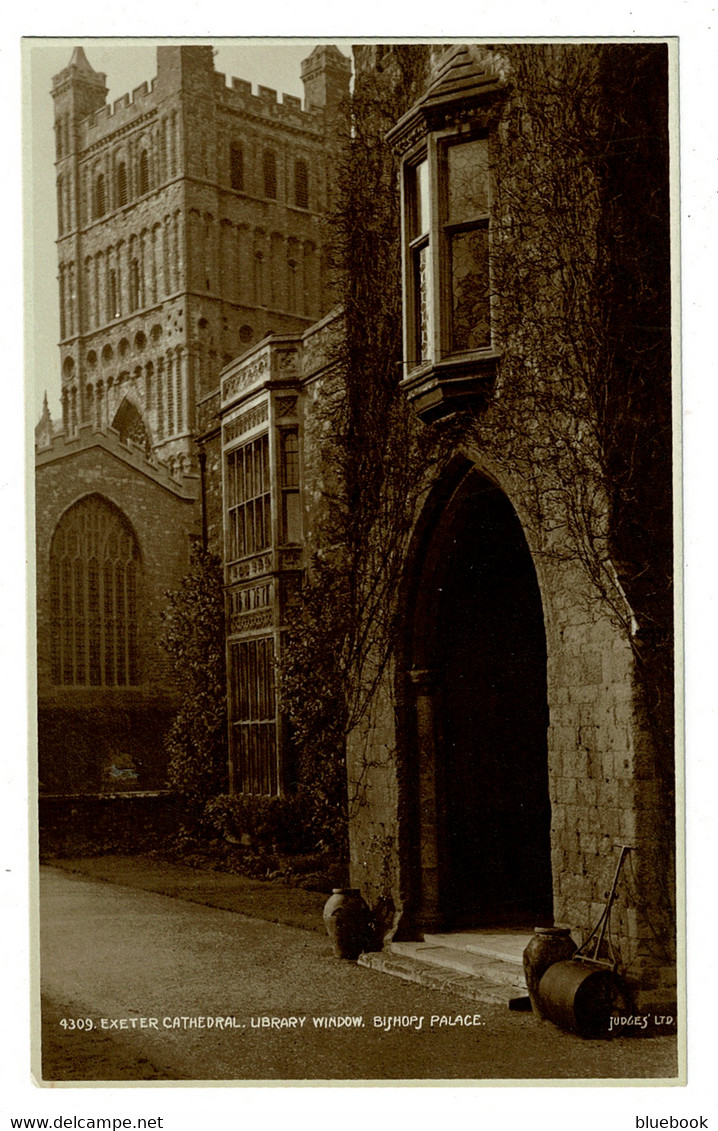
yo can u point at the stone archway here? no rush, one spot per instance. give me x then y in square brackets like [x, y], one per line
[480, 764]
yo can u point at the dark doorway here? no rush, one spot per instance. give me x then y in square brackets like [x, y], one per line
[489, 659]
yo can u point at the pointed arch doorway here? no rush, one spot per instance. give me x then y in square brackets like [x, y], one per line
[480, 716]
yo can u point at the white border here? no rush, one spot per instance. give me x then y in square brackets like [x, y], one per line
[694, 21]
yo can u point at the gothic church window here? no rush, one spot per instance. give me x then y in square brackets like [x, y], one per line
[270, 174]
[100, 197]
[122, 193]
[135, 285]
[144, 172]
[95, 578]
[301, 183]
[61, 208]
[236, 167]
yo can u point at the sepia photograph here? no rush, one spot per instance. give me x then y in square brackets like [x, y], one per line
[353, 376]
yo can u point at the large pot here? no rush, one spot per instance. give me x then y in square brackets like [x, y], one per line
[548, 946]
[346, 918]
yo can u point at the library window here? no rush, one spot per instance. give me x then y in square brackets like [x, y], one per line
[253, 731]
[249, 528]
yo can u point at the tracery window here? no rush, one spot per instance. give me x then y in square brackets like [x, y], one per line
[95, 580]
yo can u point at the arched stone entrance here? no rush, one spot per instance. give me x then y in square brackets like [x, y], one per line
[480, 717]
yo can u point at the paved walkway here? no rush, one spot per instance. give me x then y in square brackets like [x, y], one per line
[153, 973]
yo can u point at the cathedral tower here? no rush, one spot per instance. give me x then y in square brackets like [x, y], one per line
[189, 227]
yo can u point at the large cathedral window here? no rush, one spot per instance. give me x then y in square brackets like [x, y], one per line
[95, 579]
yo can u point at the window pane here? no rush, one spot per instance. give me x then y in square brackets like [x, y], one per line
[470, 327]
[420, 199]
[422, 300]
[468, 166]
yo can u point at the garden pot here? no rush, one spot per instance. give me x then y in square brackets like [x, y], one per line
[548, 945]
[346, 918]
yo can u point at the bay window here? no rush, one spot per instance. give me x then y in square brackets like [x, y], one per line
[447, 289]
[444, 143]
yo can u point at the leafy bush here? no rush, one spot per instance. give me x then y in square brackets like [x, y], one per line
[194, 639]
[283, 824]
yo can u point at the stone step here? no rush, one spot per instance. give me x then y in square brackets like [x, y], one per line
[463, 961]
[470, 987]
[502, 945]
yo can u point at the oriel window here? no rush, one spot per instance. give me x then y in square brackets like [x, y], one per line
[447, 268]
[466, 240]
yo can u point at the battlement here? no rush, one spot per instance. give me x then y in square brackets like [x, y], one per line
[61, 446]
[231, 93]
[123, 111]
[237, 94]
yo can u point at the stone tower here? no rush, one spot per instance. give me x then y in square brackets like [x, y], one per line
[189, 227]
[326, 75]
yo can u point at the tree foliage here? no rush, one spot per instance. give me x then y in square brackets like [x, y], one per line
[377, 459]
[195, 641]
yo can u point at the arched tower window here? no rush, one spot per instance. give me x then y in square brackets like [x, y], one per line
[236, 167]
[129, 423]
[61, 206]
[122, 193]
[270, 174]
[100, 197]
[144, 172]
[301, 183]
[95, 578]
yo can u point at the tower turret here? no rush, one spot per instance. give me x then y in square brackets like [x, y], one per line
[78, 91]
[326, 75]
